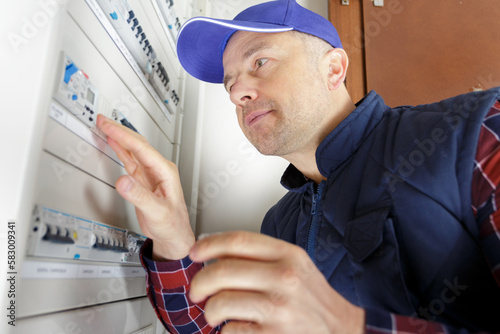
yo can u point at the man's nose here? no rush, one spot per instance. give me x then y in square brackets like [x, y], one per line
[244, 90]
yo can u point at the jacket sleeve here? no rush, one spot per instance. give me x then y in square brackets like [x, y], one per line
[486, 189]
[486, 206]
[380, 322]
[167, 285]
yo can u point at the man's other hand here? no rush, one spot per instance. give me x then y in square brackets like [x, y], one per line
[266, 285]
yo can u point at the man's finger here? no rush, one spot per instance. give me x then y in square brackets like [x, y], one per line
[235, 274]
[239, 327]
[238, 305]
[130, 141]
[124, 156]
[240, 244]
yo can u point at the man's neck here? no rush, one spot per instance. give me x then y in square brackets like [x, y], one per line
[305, 159]
[305, 162]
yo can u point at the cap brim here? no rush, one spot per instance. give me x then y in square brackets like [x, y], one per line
[201, 43]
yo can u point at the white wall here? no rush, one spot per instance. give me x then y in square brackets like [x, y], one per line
[237, 184]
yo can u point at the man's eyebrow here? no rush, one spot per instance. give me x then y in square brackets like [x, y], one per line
[250, 52]
[255, 49]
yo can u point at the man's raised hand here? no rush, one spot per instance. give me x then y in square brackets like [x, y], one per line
[153, 186]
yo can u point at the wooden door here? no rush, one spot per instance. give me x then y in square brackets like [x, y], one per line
[420, 51]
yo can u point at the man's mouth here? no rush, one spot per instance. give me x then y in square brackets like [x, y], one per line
[255, 116]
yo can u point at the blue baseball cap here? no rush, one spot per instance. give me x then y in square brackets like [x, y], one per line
[202, 40]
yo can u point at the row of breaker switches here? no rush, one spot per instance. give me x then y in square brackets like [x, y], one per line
[140, 35]
[162, 73]
[172, 20]
[63, 235]
[59, 234]
[105, 243]
[175, 97]
[56, 234]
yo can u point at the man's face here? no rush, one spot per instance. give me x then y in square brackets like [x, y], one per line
[280, 95]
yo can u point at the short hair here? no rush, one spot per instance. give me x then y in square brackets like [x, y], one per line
[315, 46]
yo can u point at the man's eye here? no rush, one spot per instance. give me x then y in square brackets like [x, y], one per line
[260, 62]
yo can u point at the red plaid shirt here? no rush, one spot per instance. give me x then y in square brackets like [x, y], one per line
[168, 282]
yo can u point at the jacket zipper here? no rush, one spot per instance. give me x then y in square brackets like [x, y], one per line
[316, 202]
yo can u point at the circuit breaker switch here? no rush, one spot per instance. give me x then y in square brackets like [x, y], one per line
[135, 23]
[131, 16]
[143, 37]
[52, 229]
[139, 31]
[63, 232]
[58, 235]
[69, 71]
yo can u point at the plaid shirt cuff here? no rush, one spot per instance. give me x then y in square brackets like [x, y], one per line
[170, 274]
[167, 286]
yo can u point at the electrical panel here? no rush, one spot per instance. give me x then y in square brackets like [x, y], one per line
[79, 268]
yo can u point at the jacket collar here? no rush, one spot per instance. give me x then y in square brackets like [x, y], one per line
[342, 142]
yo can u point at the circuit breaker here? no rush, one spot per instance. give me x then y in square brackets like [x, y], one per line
[57, 234]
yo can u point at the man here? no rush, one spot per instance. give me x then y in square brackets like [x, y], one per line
[387, 226]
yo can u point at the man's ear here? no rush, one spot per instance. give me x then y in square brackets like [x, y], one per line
[337, 67]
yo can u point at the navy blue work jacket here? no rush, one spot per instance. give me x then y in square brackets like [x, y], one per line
[392, 226]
